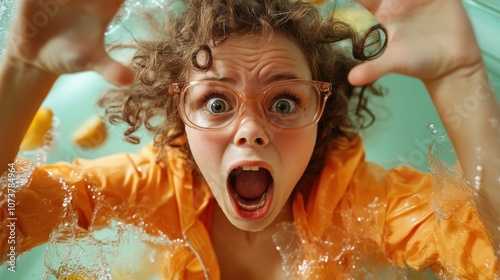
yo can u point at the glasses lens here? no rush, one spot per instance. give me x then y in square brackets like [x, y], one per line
[209, 106]
[292, 104]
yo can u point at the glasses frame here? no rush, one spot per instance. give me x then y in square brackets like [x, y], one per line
[324, 90]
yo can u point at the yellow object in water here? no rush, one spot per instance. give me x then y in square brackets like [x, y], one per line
[90, 134]
[360, 18]
[73, 276]
[76, 277]
[36, 134]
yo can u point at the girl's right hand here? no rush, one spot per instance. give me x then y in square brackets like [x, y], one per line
[64, 36]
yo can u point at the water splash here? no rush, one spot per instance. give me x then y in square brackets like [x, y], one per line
[348, 250]
[107, 249]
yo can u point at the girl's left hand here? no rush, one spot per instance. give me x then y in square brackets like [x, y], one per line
[427, 39]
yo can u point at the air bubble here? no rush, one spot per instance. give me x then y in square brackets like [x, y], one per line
[432, 128]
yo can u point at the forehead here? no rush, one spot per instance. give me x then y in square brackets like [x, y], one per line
[241, 58]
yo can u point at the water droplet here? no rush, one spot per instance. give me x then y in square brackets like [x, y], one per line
[431, 126]
[434, 131]
[477, 182]
[479, 168]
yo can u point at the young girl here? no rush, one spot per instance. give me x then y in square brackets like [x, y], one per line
[256, 134]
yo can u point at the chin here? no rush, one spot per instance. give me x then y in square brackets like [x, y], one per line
[252, 225]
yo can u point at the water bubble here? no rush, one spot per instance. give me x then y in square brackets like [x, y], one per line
[477, 182]
[479, 168]
[432, 128]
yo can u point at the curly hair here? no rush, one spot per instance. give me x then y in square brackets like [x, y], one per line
[205, 24]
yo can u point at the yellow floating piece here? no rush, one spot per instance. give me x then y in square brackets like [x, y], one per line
[360, 18]
[40, 125]
[76, 277]
[90, 134]
[73, 276]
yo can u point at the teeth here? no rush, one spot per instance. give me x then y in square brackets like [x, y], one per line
[254, 207]
[250, 168]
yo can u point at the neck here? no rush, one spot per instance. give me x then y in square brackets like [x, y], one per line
[221, 227]
[247, 255]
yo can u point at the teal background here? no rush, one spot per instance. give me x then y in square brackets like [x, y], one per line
[400, 134]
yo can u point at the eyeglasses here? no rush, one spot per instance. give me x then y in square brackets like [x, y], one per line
[288, 104]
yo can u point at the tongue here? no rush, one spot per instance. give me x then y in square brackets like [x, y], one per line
[252, 184]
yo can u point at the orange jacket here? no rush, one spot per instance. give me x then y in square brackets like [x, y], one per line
[357, 214]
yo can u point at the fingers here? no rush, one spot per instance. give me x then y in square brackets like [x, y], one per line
[113, 71]
[370, 71]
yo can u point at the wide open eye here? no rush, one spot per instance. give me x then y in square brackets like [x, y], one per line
[283, 106]
[217, 105]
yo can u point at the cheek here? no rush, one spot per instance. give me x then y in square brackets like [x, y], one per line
[207, 149]
[295, 153]
[299, 145]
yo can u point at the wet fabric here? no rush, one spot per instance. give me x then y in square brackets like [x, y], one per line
[360, 221]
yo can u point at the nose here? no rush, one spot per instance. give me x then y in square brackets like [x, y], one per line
[252, 130]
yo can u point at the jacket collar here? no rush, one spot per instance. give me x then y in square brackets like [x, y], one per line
[340, 165]
[193, 198]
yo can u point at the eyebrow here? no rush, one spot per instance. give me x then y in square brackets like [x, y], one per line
[222, 79]
[279, 77]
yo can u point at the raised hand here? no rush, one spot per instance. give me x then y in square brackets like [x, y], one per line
[65, 36]
[433, 40]
[428, 39]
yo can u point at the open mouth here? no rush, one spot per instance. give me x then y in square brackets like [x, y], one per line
[251, 190]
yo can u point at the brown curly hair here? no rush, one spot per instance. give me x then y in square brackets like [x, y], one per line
[204, 24]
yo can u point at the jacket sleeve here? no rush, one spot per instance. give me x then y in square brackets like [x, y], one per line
[123, 179]
[431, 223]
